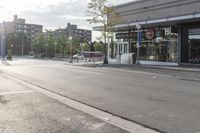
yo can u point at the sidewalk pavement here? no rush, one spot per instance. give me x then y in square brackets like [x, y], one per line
[24, 110]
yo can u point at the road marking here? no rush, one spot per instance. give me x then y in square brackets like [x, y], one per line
[16, 92]
[102, 115]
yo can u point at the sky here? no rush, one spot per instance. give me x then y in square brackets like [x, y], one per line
[52, 14]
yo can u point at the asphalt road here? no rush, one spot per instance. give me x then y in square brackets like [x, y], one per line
[155, 100]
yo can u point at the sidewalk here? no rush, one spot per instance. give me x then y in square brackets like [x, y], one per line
[24, 110]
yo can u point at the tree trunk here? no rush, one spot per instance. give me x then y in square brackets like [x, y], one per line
[105, 47]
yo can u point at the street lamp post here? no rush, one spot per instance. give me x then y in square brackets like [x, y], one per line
[55, 49]
[22, 45]
[46, 50]
[139, 38]
[70, 43]
[31, 45]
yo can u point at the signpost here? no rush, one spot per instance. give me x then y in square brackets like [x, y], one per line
[3, 41]
[139, 39]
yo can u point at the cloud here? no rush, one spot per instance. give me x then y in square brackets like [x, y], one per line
[51, 14]
[71, 17]
[58, 15]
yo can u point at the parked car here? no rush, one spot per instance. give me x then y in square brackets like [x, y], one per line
[78, 56]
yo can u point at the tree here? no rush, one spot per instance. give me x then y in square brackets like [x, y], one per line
[9, 45]
[76, 45]
[10, 40]
[62, 44]
[50, 44]
[100, 13]
[9, 54]
[98, 46]
[39, 44]
[91, 45]
[84, 47]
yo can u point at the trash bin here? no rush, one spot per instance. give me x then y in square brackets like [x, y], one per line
[128, 58]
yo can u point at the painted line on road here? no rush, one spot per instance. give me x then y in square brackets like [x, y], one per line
[100, 114]
[16, 92]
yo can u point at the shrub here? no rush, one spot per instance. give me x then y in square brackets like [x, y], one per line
[9, 56]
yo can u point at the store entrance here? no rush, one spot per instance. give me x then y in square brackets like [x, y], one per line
[121, 48]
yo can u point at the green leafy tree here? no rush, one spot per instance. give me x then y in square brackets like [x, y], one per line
[23, 42]
[9, 45]
[10, 39]
[9, 55]
[98, 46]
[84, 47]
[100, 13]
[50, 44]
[62, 43]
[75, 45]
[39, 44]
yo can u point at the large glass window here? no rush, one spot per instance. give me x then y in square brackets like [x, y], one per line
[161, 48]
[194, 45]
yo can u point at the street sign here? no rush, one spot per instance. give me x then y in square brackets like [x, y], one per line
[139, 38]
[150, 34]
[3, 41]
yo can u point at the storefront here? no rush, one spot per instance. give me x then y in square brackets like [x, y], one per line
[170, 32]
[158, 44]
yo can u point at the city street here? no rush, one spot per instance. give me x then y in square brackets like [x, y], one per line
[24, 110]
[157, 101]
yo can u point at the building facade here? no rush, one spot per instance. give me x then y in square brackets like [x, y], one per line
[170, 32]
[24, 35]
[73, 31]
[19, 25]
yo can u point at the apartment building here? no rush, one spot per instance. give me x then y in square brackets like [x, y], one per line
[73, 31]
[19, 25]
[24, 34]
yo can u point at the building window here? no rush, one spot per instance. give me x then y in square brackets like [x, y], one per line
[194, 45]
[163, 47]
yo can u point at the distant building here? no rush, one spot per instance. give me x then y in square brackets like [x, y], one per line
[24, 34]
[73, 31]
[19, 25]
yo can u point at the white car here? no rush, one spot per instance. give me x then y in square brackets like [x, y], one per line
[78, 56]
